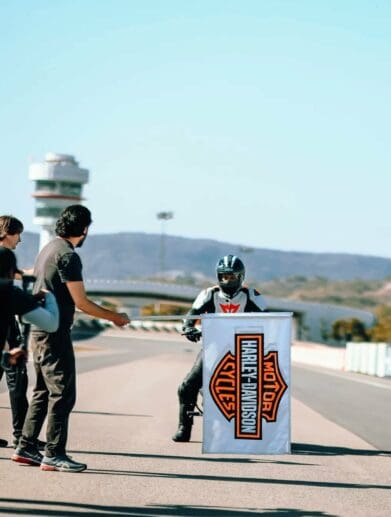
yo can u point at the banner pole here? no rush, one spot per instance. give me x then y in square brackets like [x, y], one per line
[178, 317]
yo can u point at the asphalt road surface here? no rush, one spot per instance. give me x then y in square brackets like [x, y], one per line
[357, 402]
[126, 412]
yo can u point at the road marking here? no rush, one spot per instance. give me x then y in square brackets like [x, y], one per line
[344, 376]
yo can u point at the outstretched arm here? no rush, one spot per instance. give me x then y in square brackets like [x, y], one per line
[190, 322]
[84, 304]
[189, 329]
[203, 303]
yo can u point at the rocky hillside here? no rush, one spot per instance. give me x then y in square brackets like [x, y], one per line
[137, 255]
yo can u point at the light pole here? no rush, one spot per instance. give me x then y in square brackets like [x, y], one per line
[163, 217]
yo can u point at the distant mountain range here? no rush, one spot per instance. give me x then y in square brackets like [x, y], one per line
[138, 255]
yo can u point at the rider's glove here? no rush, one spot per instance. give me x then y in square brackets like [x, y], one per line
[192, 334]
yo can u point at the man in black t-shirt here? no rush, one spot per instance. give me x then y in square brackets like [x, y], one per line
[15, 301]
[56, 265]
[58, 268]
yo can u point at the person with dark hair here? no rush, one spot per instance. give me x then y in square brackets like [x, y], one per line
[40, 310]
[10, 230]
[58, 268]
[74, 220]
[16, 375]
[229, 296]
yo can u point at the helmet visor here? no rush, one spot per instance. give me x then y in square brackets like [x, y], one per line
[229, 282]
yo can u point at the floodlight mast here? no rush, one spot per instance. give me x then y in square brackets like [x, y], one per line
[163, 217]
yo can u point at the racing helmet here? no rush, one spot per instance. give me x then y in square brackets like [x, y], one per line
[230, 274]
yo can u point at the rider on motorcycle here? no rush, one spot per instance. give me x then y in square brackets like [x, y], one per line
[228, 296]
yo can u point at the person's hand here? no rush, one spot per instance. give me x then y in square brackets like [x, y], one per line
[120, 319]
[40, 296]
[15, 354]
[192, 333]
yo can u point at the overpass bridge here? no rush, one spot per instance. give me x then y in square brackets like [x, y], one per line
[311, 321]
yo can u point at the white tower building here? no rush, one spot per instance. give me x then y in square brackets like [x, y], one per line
[58, 183]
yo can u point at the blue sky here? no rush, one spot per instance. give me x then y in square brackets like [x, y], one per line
[262, 123]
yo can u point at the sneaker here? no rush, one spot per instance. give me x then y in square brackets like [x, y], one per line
[62, 464]
[3, 443]
[27, 457]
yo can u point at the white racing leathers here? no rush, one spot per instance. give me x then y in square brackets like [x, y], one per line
[214, 300]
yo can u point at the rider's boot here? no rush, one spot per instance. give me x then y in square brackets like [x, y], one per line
[185, 423]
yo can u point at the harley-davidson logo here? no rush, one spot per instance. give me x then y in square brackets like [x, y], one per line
[248, 386]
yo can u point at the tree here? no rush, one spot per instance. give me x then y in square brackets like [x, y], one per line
[349, 330]
[381, 331]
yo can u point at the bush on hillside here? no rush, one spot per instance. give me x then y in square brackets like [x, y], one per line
[349, 330]
[381, 332]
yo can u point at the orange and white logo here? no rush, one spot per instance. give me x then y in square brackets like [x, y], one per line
[248, 386]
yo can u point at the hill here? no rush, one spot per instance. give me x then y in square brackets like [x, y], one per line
[137, 255]
[362, 294]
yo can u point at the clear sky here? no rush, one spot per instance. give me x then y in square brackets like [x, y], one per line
[258, 122]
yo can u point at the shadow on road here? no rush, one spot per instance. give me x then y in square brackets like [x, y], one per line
[109, 414]
[64, 508]
[330, 450]
[192, 458]
[234, 479]
[99, 413]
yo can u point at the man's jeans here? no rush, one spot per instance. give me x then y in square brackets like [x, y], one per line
[54, 394]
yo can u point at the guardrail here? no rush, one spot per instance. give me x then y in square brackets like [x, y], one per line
[88, 325]
[370, 358]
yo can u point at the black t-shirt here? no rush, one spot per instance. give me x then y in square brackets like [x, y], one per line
[56, 264]
[12, 301]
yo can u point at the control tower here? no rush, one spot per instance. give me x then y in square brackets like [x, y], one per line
[58, 183]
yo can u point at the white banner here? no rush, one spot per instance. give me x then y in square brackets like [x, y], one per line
[246, 383]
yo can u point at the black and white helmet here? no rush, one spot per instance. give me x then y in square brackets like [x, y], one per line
[230, 274]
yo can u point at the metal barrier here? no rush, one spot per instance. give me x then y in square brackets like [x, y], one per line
[369, 358]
